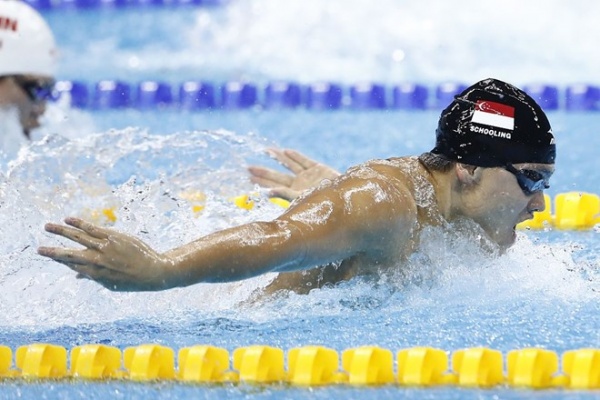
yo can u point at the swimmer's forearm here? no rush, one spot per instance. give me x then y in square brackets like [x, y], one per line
[237, 253]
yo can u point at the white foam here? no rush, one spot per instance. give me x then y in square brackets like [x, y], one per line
[57, 177]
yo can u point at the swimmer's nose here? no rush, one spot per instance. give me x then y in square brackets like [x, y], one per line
[537, 202]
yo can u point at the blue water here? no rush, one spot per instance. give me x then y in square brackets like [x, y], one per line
[543, 292]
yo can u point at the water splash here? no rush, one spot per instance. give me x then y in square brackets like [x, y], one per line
[143, 178]
[450, 272]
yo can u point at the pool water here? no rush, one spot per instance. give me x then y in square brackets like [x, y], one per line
[454, 295]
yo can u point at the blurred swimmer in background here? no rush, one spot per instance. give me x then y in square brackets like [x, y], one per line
[27, 68]
[493, 158]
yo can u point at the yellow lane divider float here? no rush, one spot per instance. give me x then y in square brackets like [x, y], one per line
[534, 368]
[572, 210]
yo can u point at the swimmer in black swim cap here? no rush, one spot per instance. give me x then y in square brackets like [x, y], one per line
[493, 157]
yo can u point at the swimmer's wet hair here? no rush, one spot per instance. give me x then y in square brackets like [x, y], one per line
[436, 162]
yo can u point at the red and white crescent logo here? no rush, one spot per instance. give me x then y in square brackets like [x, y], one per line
[494, 114]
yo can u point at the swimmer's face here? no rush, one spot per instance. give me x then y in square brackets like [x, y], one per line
[29, 94]
[498, 202]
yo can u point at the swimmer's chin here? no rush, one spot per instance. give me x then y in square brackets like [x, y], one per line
[505, 243]
[501, 241]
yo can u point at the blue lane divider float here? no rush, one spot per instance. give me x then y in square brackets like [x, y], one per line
[546, 95]
[195, 95]
[582, 97]
[111, 94]
[283, 95]
[324, 96]
[49, 5]
[367, 95]
[237, 95]
[151, 94]
[410, 96]
[444, 93]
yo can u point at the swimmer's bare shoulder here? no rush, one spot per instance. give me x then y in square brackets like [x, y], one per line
[369, 214]
[367, 201]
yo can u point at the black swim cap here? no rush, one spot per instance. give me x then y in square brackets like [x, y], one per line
[491, 124]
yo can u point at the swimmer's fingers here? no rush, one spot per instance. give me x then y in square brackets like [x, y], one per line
[269, 178]
[280, 184]
[300, 164]
[299, 159]
[91, 229]
[121, 260]
[290, 159]
[74, 234]
[285, 193]
[87, 264]
[71, 257]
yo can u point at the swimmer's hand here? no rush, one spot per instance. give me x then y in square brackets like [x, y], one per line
[115, 260]
[306, 174]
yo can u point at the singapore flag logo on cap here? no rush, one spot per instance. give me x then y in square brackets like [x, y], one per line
[494, 114]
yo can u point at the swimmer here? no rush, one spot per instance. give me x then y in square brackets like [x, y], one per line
[493, 157]
[27, 63]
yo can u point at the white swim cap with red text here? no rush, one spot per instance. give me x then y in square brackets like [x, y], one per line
[27, 45]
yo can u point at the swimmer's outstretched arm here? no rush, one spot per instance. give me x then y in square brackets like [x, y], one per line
[306, 174]
[122, 262]
[331, 224]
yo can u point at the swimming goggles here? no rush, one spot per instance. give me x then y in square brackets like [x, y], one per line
[37, 91]
[529, 180]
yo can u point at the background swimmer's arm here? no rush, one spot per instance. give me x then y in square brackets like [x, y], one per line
[306, 174]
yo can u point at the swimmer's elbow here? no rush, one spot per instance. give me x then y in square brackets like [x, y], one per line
[295, 257]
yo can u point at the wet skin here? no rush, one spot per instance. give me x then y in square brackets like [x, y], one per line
[369, 217]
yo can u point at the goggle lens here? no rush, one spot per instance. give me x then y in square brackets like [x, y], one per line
[529, 180]
[37, 91]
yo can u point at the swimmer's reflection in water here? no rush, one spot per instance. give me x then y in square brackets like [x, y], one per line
[368, 219]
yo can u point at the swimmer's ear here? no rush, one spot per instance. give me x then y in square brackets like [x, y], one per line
[467, 174]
